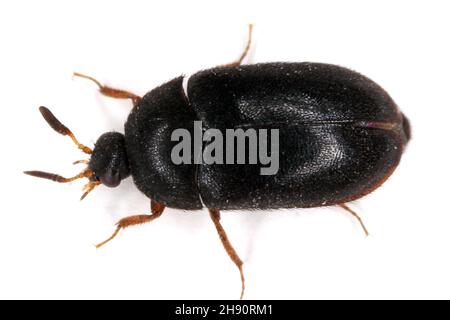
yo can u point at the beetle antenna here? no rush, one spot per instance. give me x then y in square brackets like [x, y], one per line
[58, 178]
[62, 129]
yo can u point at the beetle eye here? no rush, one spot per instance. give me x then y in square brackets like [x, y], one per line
[111, 178]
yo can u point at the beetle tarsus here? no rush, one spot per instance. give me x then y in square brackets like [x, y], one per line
[81, 161]
[157, 210]
[238, 62]
[353, 213]
[111, 92]
[215, 216]
[89, 187]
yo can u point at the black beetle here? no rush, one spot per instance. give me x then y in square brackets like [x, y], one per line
[340, 137]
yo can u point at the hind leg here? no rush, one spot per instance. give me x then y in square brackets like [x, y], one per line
[215, 217]
[353, 213]
[238, 62]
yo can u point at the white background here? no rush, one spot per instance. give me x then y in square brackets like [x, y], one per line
[47, 235]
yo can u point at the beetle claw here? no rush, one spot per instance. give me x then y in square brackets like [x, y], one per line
[81, 161]
[110, 238]
[89, 187]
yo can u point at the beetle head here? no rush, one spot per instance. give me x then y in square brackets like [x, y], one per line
[108, 164]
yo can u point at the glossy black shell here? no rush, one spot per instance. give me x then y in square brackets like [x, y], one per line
[340, 136]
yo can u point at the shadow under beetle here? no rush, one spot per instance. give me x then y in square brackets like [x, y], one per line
[340, 137]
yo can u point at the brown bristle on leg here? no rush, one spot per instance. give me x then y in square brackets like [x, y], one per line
[61, 129]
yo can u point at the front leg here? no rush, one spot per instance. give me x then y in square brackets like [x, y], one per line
[111, 92]
[157, 210]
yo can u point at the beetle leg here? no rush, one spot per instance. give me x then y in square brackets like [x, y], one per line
[215, 216]
[157, 210]
[353, 213]
[111, 92]
[238, 62]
